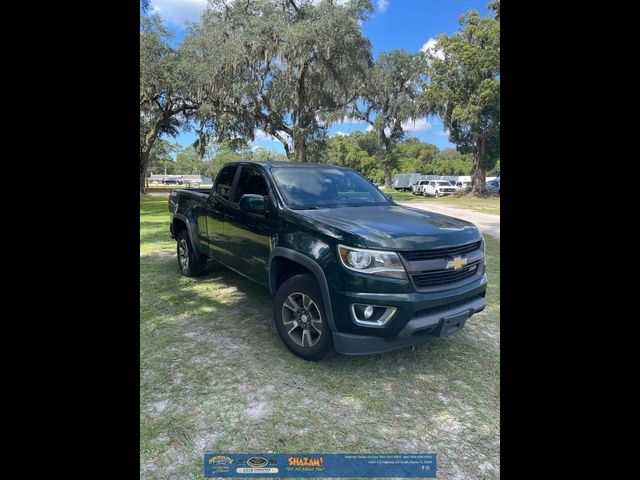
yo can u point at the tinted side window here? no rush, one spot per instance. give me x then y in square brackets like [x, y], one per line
[225, 180]
[250, 181]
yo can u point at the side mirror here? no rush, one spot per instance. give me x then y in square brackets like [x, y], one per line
[251, 203]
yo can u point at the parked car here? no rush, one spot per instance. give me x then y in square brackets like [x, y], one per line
[437, 188]
[172, 180]
[348, 269]
[462, 185]
[416, 188]
[493, 186]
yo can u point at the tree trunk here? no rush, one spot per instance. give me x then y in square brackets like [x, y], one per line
[387, 156]
[478, 179]
[387, 176]
[300, 148]
[144, 161]
[145, 150]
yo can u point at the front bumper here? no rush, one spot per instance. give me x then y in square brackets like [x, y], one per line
[437, 322]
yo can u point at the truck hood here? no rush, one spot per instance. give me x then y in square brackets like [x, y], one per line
[395, 227]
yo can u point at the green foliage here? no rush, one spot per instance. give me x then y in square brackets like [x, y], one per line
[463, 88]
[292, 68]
[188, 162]
[389, 99]
[164, 103]
[451, 162]
[160, 157]
[414, 155]
[495, 171]
[284, 67]
[361, 152]
[260, 154]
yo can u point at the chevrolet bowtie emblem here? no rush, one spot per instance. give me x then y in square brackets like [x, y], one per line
[457, 263]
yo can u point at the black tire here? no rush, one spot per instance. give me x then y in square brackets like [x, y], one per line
[436, 194]
[313, 345]
[189, 264]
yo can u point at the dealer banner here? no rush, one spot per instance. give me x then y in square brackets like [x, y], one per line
[319, 465]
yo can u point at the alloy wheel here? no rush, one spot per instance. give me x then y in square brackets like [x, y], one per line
[302, 319]
[183, 254]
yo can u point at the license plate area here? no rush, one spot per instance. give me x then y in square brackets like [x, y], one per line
[451, 324]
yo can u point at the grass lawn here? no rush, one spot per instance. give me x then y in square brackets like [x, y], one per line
[482, 205]
[216, 377]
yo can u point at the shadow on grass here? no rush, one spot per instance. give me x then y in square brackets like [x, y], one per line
[237, 305]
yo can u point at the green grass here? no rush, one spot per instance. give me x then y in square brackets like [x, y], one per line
[216, 377]
[483, 205]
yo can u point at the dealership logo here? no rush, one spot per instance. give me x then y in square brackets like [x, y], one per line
[257, 462]
[306, 461]
[257, 465]
[220, 460]
[457, 263]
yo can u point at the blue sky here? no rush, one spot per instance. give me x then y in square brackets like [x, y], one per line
[406, 24]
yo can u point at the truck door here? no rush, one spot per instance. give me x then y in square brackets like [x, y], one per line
[215, 205]
[248, 235]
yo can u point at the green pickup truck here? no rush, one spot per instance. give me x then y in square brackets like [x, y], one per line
[349, 270]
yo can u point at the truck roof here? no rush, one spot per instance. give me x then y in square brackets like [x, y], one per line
[279, 163]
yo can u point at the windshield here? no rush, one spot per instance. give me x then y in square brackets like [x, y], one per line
[325, 188]
[443, 184]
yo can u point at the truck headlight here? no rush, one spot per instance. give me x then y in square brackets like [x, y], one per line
[373, 262]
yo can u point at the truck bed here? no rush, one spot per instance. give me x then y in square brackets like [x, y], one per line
[183, 199]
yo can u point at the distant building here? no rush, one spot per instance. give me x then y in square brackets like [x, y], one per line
[184, 179]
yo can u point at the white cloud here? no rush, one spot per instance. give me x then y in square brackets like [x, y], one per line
[340, 133]
[443, 133]
[430, 46]
[383, 5]
[387, 131]
[261, 135]
[421, 125]
[177, 11]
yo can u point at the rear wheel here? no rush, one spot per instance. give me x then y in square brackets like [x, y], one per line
[298, 310]
[190, 265]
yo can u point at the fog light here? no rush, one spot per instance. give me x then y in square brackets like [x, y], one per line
[371, 315]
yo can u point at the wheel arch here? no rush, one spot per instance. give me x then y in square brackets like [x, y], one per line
[278, 254]
[179, 223]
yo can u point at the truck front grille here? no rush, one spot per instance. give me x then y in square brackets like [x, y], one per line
[440, 252]
[440, 277]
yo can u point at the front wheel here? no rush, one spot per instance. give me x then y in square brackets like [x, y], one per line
[298, 311]
[437, 194]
